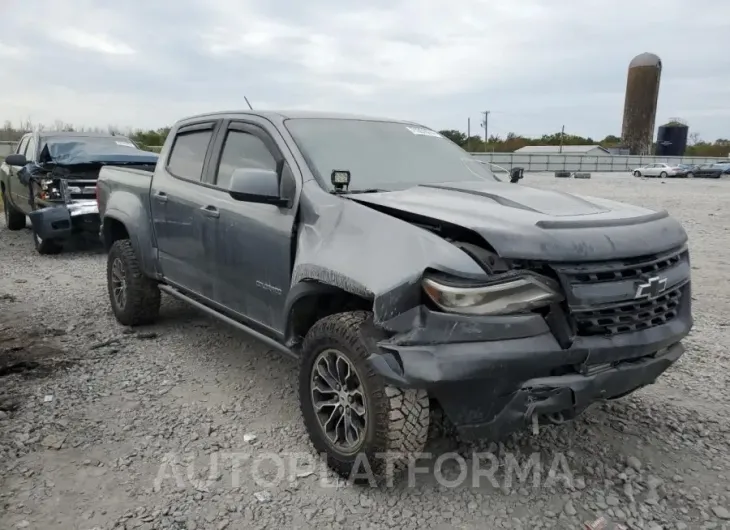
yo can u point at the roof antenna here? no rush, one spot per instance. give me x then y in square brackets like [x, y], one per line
[247, 103]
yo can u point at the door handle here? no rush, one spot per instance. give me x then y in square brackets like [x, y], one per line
[161, 196]
[210, 211]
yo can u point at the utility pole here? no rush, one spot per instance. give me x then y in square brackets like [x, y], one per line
[468, 135]
[562, 133]
[486, 128]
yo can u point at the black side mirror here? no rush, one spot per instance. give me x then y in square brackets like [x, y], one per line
[256, 185]
[16, 160]
[516, 173]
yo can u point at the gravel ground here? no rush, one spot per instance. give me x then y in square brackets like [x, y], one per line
[93, 418]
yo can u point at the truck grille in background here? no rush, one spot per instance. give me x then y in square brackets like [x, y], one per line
[623, 316]
[633, 316]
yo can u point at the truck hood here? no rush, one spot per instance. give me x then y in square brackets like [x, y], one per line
[77, 153]
[528, 223]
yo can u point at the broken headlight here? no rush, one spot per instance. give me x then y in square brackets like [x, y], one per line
[503, 294]
[49, 190]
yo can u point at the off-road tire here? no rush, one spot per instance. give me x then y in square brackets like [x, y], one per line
[14, 219]
[45, 247]
[397, 419]
[143, 295]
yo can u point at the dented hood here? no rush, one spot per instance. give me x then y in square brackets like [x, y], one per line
[529, 223]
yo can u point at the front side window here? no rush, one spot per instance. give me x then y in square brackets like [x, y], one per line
[20, 150]
[30, 149]
[382, 154]
[242, 150]
[188, 154]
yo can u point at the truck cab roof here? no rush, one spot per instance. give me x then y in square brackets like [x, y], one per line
[281, 115]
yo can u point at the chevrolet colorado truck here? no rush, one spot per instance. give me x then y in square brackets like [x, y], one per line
[400, 272]
[51, 178]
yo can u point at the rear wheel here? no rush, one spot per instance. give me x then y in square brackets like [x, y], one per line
[637, 173]
[663, 174]
[14, 219]
[690, 175]
[351, 415]
[135, 298]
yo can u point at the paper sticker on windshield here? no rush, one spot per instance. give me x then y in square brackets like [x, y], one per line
[125, 144]
[422, 131]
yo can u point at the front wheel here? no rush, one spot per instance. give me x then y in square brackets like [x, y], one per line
[14, 219]
[663, 174]
[637, 173]
[358, 421]
[690, 175]
[135, 298]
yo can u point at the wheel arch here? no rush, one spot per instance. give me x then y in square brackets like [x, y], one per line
[311, 300]
[113, 229]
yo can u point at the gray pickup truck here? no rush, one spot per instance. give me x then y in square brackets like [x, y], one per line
[410, 282]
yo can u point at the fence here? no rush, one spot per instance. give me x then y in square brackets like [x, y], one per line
[572, 162]
[552, 162]
[7, 148]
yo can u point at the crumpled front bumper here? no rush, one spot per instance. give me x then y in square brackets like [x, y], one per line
[59, 222]
[493, 375]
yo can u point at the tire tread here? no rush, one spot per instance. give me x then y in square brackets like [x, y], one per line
[401, 415]
[143, 295]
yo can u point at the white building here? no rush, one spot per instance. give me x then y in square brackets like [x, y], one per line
[585, 150]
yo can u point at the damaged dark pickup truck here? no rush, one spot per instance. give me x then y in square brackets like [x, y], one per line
[51, 178]
[404, 276]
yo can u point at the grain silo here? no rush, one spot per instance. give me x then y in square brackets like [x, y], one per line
[642, 95]
[671, 138]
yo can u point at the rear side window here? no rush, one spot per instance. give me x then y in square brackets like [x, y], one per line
[242, 150]
[188, 154]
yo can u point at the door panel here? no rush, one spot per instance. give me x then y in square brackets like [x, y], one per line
[16, 192]
[185, 237]
[252, 266]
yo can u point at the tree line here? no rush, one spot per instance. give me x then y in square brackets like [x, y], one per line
[495, 143]
[146, 139]
[696, 146]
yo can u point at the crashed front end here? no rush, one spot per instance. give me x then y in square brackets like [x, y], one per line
[605, 330]
[62, 183]
[63, 204]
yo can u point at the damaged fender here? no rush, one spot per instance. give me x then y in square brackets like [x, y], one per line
[352, 247]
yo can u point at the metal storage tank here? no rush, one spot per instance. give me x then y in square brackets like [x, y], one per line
[671, 138]
[642, 95]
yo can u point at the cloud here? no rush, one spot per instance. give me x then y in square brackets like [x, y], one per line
[95, 42]
[535, 65]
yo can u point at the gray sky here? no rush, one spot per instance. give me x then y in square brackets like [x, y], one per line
[535, 64]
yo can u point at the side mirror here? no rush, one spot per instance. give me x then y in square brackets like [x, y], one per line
[256, 185]
[516, 173]
[16, 160]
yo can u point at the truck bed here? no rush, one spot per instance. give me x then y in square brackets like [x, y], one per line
[135, 182]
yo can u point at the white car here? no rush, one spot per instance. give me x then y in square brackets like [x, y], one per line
[658, 170]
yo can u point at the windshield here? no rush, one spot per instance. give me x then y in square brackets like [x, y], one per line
[383, 155]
